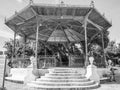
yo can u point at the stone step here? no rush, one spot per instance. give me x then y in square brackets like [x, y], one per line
[46, 87]
[63, 77]
[63, 80]
[62, 74]
[64, 70]
[64, 83]
[61, 69]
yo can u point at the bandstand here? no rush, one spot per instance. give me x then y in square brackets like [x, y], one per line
[59, 24]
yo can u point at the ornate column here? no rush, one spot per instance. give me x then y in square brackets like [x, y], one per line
[86, 43]
[13, 51]
[104, 56]
[37, 37]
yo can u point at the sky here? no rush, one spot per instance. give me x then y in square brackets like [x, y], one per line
[111, 9]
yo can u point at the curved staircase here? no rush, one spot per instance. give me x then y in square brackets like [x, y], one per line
[63, 79]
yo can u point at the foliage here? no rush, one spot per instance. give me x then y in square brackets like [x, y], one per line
[98, 39]
[19, 49]
[9, 46]
[112, 47]
[95, 45]
[113, 52]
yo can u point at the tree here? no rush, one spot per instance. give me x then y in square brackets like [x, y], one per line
[112, 52]
[19, 50]
[98, 39]
[9, 46]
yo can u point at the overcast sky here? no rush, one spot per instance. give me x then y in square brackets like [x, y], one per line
[111, 8]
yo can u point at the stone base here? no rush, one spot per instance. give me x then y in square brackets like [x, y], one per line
[92, 74]
[63, 79]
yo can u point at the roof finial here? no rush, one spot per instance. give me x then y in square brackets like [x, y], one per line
[103, 14]
[16, 12]
[30, 2]
[92, 4]
[5, 19]
[62, 3]
[111, 22]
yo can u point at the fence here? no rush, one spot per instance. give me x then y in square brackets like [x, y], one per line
[76, 60]
[52, 61]
[48, 61]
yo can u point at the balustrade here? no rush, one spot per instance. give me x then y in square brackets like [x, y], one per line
[49, 61]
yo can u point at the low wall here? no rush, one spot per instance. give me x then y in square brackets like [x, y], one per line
[103, 71]
[19, 74]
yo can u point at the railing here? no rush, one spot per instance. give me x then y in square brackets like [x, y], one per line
[46, 61]
[76, 61]
[51, 61]
[20, 62]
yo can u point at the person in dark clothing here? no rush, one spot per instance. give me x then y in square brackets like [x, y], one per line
[112, 70]
[112, 74]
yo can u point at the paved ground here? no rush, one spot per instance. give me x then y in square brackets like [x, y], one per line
[111, 85]
[104, 85]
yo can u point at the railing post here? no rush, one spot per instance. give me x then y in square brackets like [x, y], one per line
[24, 41]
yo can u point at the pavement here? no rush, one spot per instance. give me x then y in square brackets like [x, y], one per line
[106, 85]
